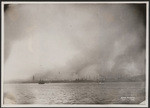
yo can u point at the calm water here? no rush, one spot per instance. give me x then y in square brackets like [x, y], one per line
[75, 93]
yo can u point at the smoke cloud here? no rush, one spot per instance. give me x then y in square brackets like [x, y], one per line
[69, 41]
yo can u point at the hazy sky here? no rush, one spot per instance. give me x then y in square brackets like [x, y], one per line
[74, 40]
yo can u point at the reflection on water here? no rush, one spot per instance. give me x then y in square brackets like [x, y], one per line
[75, 93]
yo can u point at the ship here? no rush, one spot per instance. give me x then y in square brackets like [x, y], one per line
[41, 82]
[102, 80]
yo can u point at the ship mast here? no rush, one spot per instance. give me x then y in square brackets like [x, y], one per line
[33, 78]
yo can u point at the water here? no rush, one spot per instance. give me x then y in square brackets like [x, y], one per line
[75, 93]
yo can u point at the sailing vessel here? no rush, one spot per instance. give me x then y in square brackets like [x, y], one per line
[41, 82]
[33, 78]
[102, 81]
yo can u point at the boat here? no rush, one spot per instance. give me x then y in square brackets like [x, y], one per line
[41, 82]
[102, 81]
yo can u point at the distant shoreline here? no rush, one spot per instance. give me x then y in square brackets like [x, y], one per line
[67, 82]
[139, 78]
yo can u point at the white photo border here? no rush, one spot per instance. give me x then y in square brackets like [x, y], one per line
[73, 105]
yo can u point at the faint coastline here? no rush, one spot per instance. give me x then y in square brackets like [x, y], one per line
[138, 78]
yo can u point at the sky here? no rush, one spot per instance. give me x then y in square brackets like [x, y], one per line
[69, 41]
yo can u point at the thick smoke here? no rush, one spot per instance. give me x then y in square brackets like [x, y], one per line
[90, 41]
